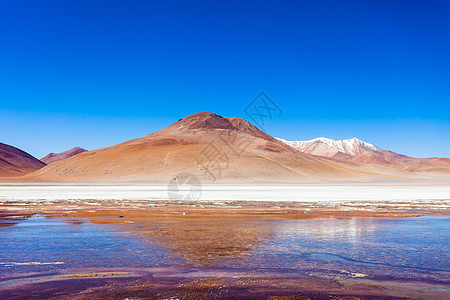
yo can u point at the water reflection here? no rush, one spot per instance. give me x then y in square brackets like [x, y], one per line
[416, 248]
[34, 243]
[9, 219]
[302, 244]
[405, 243]
[351, 229]
[204, 242]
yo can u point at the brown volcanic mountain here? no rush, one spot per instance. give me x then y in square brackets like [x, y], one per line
[204, 144]
[52, 157]
[15, 162]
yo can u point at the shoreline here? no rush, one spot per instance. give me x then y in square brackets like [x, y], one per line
[177, 210]
[201, 277]
[264, 201]
[203, 233]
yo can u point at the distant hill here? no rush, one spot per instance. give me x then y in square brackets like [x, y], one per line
[357, 151]
[15, 162]
[52, 157]
[329, 148]
[204, 144]
[212, 148]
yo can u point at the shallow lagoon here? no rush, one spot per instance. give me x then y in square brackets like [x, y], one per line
[365, 249]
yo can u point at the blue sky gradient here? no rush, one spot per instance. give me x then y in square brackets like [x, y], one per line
[96, 73]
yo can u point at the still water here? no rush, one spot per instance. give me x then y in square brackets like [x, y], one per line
[415, 249]
[396, 245]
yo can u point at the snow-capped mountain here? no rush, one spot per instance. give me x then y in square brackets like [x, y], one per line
[356, 151]
[327, 147]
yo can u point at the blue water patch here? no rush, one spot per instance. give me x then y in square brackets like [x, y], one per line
[45, 244]
[415, 248]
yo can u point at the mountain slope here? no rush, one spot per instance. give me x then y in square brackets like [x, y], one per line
[15, 162]
[52, 157]
[204, 144]
[357, 151]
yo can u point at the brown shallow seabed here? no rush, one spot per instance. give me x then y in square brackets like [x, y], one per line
[174, 283]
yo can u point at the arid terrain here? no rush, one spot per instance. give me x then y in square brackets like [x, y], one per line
[15, 162]
[227, 150]
[187, 150]
[214, 208]
[52, 157]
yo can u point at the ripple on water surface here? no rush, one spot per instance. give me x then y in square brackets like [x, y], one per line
[414, 248]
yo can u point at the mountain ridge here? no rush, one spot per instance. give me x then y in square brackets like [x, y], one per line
[213, 148]
[355, 150]
[15, 162]
[352, 147]
[186, 145]
[52, 157]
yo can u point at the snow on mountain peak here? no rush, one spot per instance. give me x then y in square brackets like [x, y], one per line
[329, 147]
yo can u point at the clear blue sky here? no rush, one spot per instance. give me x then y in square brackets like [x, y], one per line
[96, 73]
